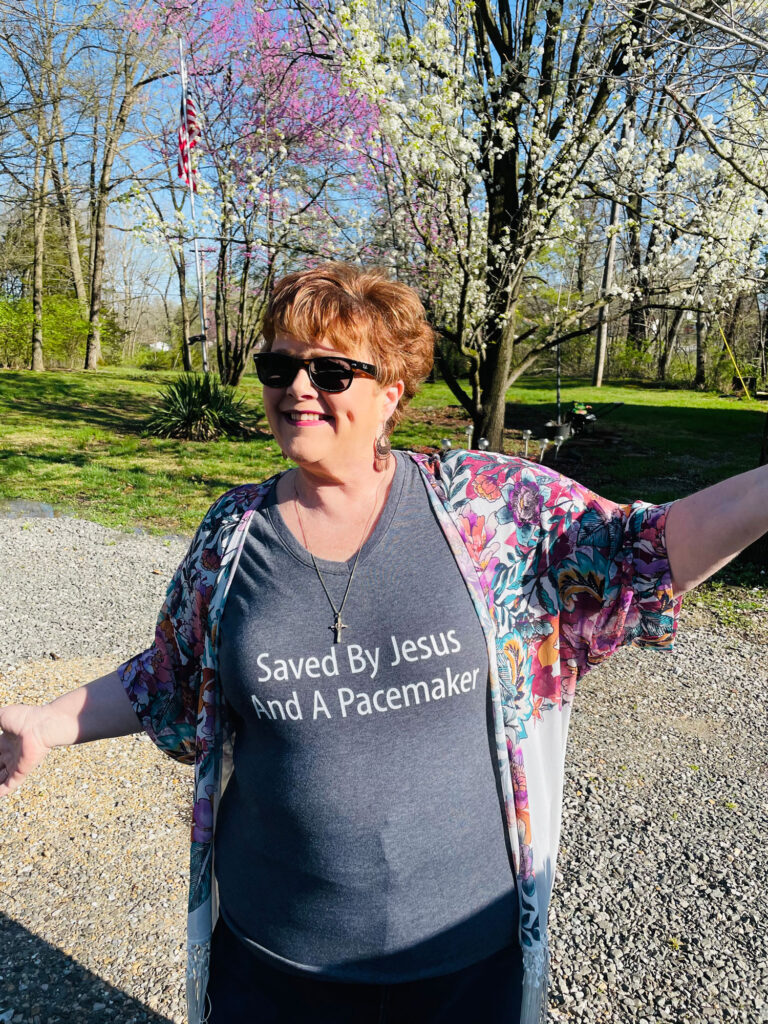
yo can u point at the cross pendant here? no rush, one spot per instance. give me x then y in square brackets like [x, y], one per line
[337, 627]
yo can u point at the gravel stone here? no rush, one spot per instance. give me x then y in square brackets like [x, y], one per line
[74, 588]
[660, 906]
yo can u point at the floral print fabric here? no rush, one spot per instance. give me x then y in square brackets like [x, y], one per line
[560, 579]
[569, 576]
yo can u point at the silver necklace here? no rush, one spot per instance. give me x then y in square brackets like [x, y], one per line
[338, 624]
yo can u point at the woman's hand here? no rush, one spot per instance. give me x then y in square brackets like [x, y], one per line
[96, 711]
[22, 744]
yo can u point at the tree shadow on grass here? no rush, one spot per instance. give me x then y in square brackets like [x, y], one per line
[127, 419]
[122, 410]
[692, 421]
[108, 418]
[655, 452]
[72, 994]
[72, 400]
[79, 459]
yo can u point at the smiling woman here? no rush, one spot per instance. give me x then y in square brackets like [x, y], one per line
[330, 433]
[356, 865]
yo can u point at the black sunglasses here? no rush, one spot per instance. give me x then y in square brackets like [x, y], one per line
[327, 373]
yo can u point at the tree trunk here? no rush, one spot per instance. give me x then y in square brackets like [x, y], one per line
[113, 133]
[601, 340]
[39, 216]
[494, 394]
[222, 325]
[93, 344]
[762, 355]
[730, 330]
[99, 237]
[637, 327]
[665, 352]
[247, 317]
[92, 191]
[63, 188]
[701, 341]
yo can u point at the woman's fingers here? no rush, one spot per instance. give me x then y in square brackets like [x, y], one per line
[21, 749]
[9, 757]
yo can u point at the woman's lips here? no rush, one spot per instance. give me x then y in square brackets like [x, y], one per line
[306, 419]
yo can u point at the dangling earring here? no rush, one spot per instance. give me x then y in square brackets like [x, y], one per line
[382, 451]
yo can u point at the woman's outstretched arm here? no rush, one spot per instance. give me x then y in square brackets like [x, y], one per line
[96, 711]
[707, 529]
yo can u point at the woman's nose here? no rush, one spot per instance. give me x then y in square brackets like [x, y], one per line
[302, 383]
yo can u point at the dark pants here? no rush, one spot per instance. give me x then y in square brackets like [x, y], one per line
[243, 989]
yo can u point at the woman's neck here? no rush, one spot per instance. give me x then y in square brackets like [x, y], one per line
[333, 518]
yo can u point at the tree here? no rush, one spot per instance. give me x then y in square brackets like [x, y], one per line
[693, 230]
[136, 285]
[280, 174]
[159, 201]
[80, 70]
[496, 118]
[129, 64]
[26, 46]
[54, 313]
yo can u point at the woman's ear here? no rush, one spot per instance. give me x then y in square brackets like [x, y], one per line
[393, 393]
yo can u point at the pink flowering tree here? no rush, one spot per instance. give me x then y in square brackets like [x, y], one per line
[281, 171]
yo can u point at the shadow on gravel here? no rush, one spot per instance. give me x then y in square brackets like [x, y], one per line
[38, 982]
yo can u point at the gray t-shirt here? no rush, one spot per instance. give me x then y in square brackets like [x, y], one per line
[362, 834]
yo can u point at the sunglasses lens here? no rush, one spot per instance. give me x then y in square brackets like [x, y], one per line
[330, 374]
[274, 370]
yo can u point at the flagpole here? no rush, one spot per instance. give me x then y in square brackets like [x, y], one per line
[199, 264]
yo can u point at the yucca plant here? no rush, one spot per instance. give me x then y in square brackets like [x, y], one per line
[197, 407]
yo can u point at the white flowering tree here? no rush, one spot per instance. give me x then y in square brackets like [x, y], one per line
[493, 116]
[690, 214]
[502, 121]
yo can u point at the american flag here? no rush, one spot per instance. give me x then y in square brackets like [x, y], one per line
[189, 133]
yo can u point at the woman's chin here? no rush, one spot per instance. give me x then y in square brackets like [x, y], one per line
[305, 450]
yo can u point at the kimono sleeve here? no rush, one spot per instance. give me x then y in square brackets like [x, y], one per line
[163, 683]
[611, 572]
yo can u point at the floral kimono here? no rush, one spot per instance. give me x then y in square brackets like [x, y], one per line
[559, 577]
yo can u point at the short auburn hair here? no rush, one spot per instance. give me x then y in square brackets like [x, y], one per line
[355, 310]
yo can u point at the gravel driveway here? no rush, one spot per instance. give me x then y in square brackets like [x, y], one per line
[661, 904]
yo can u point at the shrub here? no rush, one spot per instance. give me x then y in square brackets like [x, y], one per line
[624, 360]
[197, 407]
[149, 359]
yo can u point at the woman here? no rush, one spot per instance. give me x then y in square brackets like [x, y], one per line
[377, 653]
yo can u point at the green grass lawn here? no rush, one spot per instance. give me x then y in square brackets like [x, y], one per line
[649, 442]
[75, 440]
